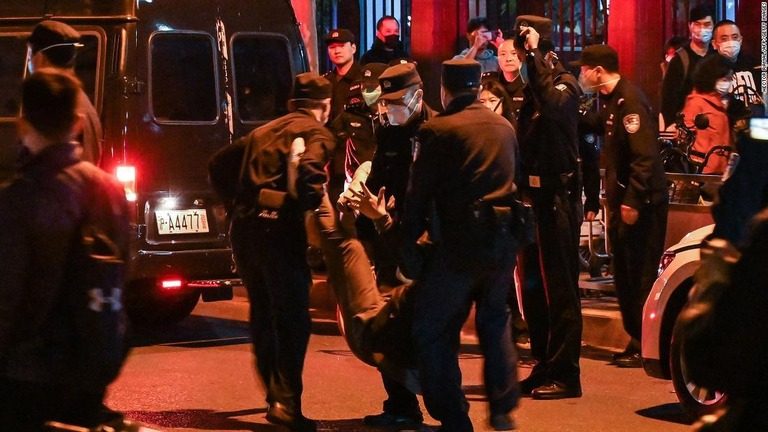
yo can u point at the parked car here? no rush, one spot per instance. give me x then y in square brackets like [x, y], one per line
[660, 344]
[173, 82]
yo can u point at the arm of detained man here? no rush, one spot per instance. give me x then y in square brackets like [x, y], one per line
[14, 270]
[643, 151]
[418, 199]
[312, 175]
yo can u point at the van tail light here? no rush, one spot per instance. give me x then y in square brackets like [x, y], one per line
[171, 284]
[666, 260]
[126, 175]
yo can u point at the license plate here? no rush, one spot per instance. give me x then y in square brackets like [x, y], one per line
[181, 221]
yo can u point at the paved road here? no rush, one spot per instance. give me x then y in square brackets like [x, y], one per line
[198, 376]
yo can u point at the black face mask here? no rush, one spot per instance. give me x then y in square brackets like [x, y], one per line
[392, 41]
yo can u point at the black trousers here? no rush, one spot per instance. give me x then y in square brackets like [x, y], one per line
[637, 250]
[442, 301]
[551, 300]
[271, 259]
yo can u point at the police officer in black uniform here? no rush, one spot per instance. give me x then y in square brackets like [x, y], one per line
[549, 153]
[509, 75]
[635, 186]
[282, 178]
[462, 179]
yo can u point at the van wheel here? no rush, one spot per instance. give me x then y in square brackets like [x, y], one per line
[696, 400]
[147, 306]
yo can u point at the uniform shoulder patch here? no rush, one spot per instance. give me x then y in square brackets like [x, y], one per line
[631, 123]
[561, 87]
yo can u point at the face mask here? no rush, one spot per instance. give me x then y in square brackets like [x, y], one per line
[371, 97]
[398, 114]
[729, 49]
[703, 35]
[392, 41]
[724, 86]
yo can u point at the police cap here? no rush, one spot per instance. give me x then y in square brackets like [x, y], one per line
[49, 33]
[310, 85]
[339, 35]
[396, 80]
[371, 73]
[461, 74]
[598, 55]
[543, 26]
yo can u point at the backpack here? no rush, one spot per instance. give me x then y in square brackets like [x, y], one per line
[95, 281]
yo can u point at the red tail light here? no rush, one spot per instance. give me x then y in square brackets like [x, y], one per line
[126, 175]
[171, 284]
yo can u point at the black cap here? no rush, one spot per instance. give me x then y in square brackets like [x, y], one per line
[397, 79]
[543, 26]
[310, 85]
[461, 74]
[339, 35]
[371, 73]
[599, 55]
[49, 33]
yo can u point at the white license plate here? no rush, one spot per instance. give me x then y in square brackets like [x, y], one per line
[181, 221]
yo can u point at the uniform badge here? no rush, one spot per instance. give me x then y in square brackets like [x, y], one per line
[632, 123]
[335, 34]
[355, 124]
[386, 84]
[590, 138]
[561, 87]
[367, 73]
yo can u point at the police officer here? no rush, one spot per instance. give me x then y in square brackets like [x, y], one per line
[635, 185]
[549, 153]
[462, 179]
[282, 178]
[509, 75]
[346, 71]
[355, 127]
[402, 105]
[403, 110]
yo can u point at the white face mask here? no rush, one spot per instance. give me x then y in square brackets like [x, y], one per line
[703, 35]
[669, 58]
[729, 49]
[399, 115]
[724, 86]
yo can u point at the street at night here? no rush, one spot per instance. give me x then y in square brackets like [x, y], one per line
[199, 376]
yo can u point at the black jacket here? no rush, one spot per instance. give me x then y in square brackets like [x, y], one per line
[40, 217]
[379, 53]
[465, 155]
[678, 83]
[547, 125]
[356, 140]
[634, 173]
[344, 87]
[268, 151]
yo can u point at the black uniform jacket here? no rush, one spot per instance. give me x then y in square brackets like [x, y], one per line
[514, 89]
[268, 151]
[40, 218]
[356, 141]
[344, 87]
[634, 173]
[548, 125]
[464, 155]
[379, 54]
[391, 163]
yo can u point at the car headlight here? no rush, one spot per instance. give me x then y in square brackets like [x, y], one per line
[666, 260]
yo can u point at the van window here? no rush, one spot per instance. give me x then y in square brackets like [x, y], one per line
[262, 76]
[13, 66]
[183, 78]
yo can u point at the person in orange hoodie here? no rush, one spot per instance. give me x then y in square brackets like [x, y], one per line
[712, 84]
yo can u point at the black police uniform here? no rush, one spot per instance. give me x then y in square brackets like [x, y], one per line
[344, 87]
[269, 244]
[464, 166]
[549, 151]
[514, 89]
[634, 176]
[355, 130]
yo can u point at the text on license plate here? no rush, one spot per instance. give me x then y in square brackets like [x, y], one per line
[181, 221]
